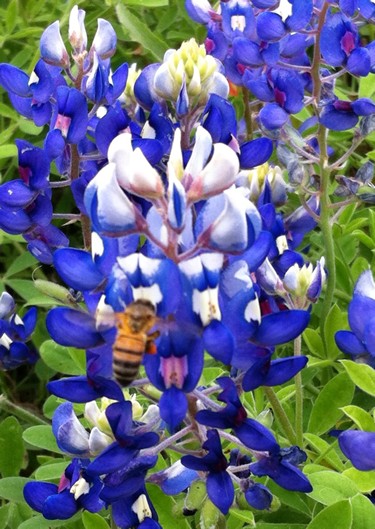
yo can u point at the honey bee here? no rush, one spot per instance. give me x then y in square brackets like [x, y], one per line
[132, 340]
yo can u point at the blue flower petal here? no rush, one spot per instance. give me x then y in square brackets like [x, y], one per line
[255, 152]
[348, 342]
[60, 506]
[281, 327]
[220, 490]
[73, 328]
[77, 269]
[36, 493]
[173, 407]
[359, 447]
[111, 459]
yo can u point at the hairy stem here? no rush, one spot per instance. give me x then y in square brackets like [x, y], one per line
[299, 395]
[21, 413]
[280, 415]
[325, 175]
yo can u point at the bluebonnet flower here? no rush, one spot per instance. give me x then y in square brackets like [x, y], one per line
[220, 488]
[14, 332]
[359, 341]
[340, 45]
[76, 490]
[253, 434]
[127, 441]
[280, 465]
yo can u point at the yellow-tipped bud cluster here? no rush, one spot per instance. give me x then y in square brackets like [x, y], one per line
[191, 67]
[256, 178]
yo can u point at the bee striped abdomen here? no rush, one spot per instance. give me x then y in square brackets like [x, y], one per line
[133, 340]
[127, 357]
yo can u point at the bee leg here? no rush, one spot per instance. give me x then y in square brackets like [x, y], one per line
[150, 345]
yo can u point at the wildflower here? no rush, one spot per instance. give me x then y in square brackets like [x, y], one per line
[359, 341]
[220, 488]
[76, 490]
[14, 332]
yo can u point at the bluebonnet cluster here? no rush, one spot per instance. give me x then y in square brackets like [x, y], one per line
[181, 211]
[359, 343]
[14, 332]
[265, 45]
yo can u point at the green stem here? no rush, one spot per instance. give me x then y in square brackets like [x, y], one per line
[249, 124]
[280, 415]
[21, 413]
[325, 174]
[326, 227]
[299, 395]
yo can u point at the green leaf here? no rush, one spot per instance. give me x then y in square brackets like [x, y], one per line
[11, 16]
[140, 32]
[337, 515]
[164, 505]
[335, 321]
[292, 499]
[57, 357]
[39, 522]
[146, 3]
[8, 150]
[360, 417]
[23, 261]
[244, 516]
[362, 375]
[314, 342]
[322, 447]
[11, 443]
[365, 481]
[41, 437]
[51, 472]
[366, 86]
[23, 287]
[4, 515]
[363, 512]
[12, 488]
[364, 239]
[93, 521]
[209, 515]
[326, 411]
[330, 487]
[265, 525]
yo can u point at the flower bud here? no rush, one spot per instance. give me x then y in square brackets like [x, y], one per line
[105, 40]
[77, 30]
[189, 67]
[52, 47]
